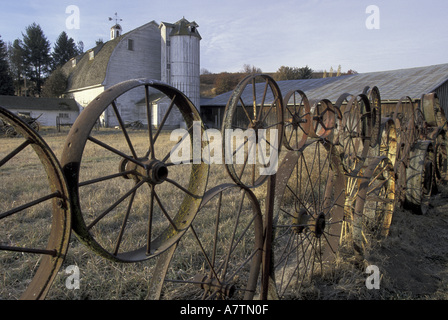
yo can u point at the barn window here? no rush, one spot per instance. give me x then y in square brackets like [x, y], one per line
[131, 44]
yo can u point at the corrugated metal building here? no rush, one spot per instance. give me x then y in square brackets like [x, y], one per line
[393, 85]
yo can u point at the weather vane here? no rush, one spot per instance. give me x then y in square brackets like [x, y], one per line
[116, 18]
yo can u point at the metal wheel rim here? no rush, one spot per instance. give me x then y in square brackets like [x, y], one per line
[292, 228]
[374, 203]
[297, 122]
[59, 235]
[187, 208]
[272, 118]
[216, 282]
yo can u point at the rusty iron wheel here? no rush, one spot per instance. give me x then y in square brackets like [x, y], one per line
[307, 217]
[432, 111]
[355, 133]
[323, 116]
[373, 94]
[441, 156]
[420, 175]
[421, 130]
[144, 202]
[297, 120]
[388, 145]
[220, 257]
[30, 263]
[374, 203]
[252, 130]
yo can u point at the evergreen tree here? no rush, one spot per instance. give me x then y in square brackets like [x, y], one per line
[6, 82]
[55, 85]
[37, 54]
[64, 49]
[305, 73]
[16, 65]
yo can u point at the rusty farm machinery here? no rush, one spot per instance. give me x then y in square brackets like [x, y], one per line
[340, 170]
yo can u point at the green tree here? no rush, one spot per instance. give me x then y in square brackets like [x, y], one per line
[55, 85]
[17, 65]
[36, 55]
[305, 73]
[64, 49]
[6, 81]
[287, 73]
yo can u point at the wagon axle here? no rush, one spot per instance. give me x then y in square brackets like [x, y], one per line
[148, 170]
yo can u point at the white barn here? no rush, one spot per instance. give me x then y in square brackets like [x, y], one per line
[169, 52]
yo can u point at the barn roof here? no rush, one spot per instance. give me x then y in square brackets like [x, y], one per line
[92, 72]
[32, 103]
[393, 84]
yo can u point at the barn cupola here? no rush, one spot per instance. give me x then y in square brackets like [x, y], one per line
[116, 30]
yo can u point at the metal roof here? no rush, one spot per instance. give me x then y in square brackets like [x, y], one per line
[393, 85]
[32, 103]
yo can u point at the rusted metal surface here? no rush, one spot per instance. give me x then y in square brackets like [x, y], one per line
[146, 170]
[257, 116]
[343, 168]
[50, 257]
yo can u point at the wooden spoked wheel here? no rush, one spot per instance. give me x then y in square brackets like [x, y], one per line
[420, 174]
[374, 203]
[220, 257]
[34, 213]
[355, 134]
[252, 130]
[307, 217]
[297, 120]
[144, 200]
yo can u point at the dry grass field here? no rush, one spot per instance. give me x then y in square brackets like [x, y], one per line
[413, 260]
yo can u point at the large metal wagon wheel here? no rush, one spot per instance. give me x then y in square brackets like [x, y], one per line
[432, 111]
[388, 145]
[374, 203]
[297, 120]
[220, 258]
[252, 130]
[307, 217]
[324, 117]
[135, 193]
[441, 154]
[355, 134]
[420, 174]
[34, 214]
[373, 94]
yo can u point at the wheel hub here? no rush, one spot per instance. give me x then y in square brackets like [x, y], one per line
[151, 170]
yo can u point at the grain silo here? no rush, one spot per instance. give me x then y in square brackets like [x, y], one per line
[181, 57]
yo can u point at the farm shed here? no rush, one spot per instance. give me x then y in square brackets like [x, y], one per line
[393, 85]
[47, 109]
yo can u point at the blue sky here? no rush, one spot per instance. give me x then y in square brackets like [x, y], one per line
[264, 33]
